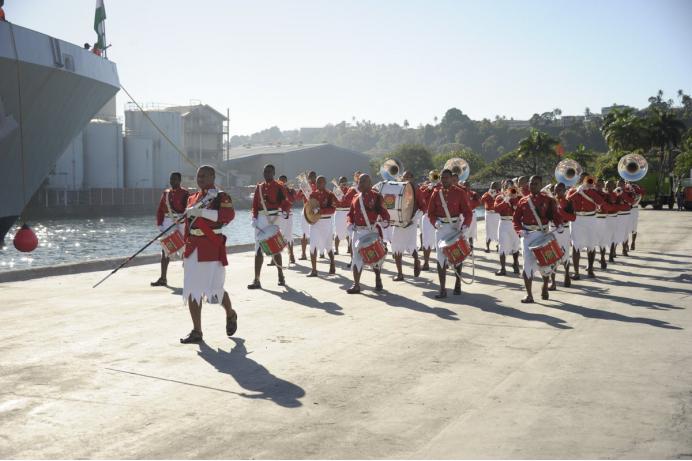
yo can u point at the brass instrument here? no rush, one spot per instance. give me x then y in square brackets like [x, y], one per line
[459, 167]
[309, 212]
[337, 190]
[568, 172]
[304, 184]
[632, 167]
[434, 176]
[392, 169]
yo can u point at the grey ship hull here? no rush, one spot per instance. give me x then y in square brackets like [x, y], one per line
[49, 90]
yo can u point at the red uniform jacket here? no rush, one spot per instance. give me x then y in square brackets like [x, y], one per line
[177, 199]
[457, 203]
[345, 202]
[209, 248]
[546, 208]
[474, 198]
[582, 204]
[274, 198]
[613, 202]
[565, 209]
[488, 201]
[291, 195]
[503, 207]
[627, 198]
[424, 194]
[327, 201]
[374, 207]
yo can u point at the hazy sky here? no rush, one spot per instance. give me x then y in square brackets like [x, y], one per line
[308, 63]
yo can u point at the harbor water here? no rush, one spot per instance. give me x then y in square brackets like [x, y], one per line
[70, 240]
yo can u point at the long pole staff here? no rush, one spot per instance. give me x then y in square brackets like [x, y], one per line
[204, 202]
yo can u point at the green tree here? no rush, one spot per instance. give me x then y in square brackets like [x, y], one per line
[585, 157]
[538, 149]
[683, 162]
[416, 158]
[606, 166]
[624, 130]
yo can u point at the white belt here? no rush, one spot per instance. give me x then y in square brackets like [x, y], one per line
[585, 213]
[506, 218]
[447, 221]
[601, 215]
[342, 209]
[623, 213]
[361, 227]
[174, 216]
[531, 227]
[325, 216]
[199, 233]
[490, 211]
[635, 206]
[269, 212]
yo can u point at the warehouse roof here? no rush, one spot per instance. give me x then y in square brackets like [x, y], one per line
[280, 149]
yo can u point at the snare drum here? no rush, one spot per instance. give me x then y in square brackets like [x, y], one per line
[455, 247]
[271, 241]
[172, 243]
[399, 199]
[547, 250]
[371, 249]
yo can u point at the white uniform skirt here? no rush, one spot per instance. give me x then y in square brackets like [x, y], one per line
[622, 232]
[564, 240]
[264, 221]
[492, 223]
[286, 226]
[612, 223]
[405, 239]
[305, 226]
[443, 231]
[203, 280]
[340, 224]
[321, 237]
[602, 233]
[507, 238]
[428, 233]
[473, 228]
[634, 216]
[387, 234]
[356, 259]
[531, 266]
[584, 236]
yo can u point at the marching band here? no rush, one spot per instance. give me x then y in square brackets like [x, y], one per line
[543, 224]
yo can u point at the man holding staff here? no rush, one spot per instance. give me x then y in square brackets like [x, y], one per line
[204, 260]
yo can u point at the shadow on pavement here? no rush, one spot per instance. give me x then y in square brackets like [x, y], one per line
[489, 304]
[251, 375]
[605, 315]
[304, 299]
[395, 300]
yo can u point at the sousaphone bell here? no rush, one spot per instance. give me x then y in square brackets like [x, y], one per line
[459, 167]
[632, 167]
[568, 172]
[391, 169]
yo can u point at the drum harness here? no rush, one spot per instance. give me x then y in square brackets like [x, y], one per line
[473, 254]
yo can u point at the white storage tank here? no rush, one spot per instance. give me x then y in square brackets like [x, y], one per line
[166, 158]
[68, 173]
[139, 162]
[103, 155]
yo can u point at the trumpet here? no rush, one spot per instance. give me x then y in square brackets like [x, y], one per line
[434, 176]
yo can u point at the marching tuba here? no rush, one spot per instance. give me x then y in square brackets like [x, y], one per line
[568, 172]
[391, 169]
[459, 167]
[632, 167]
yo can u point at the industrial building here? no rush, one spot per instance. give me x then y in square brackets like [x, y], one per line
[203, 131]
[245, 163]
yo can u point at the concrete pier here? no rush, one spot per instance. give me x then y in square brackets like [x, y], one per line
[601, 370]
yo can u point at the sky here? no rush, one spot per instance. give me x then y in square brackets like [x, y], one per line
[298, 64]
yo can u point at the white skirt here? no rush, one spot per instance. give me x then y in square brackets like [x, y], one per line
[203, 280]
[622, 231]
[634, 216]
[321, 237]
[405, 239]
[584, 236]
[264, 221]
[340, 224]
[428, 233]
[472, 232]
[531, 266]
[507, 238]
[602, 233]
[286, 226]
[305, 226]
[443, 231]
[492, 223]
[387, 233]
[564, 240]
[612, 224]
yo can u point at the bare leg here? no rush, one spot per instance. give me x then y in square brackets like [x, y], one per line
[544, 290]
[164, 265]
[503, 270]
[515, 263]
[399, 273]
[336, 245]
[291, 257]
[442, 277]
[487, 245]
[568, 281]
[195, 313]
[355, 288]
[303, 245]
[457, 280]
[279, 262]
[416, 264]
[625, 248]
[611, 256]
[426, 259]
[378, 279]
[332, 267]
[634, 239]
[528, 282]
[591, 257]
[348, 242]
[259, 259]
[575, 262]
[604, 264]
[313, 262]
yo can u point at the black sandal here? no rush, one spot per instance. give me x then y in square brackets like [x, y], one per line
[353, 290]
[193, 338]
[441, 295]
[527, 300]
[254, 285]
[231, 324]
[159, 283]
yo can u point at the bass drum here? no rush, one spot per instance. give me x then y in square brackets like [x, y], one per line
[400, 201]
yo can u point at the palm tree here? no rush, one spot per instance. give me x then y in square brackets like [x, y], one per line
[537, 147]
[665, 133]
[624, 130]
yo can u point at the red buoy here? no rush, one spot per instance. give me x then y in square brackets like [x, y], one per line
[25, 240]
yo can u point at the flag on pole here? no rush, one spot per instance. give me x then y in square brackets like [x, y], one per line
[99, 24]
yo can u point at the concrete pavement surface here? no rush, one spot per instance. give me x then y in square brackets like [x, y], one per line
[601, 370]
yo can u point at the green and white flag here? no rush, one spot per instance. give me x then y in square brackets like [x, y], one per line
[100, 24]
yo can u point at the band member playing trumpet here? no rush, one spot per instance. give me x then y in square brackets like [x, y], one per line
[171, 208]
[287, 231]
[366, 209]
[474, 202]
[492, 219]
[204, 259]
[312, 179]
[404, 238]
[428, 242]
[448, 206]
[522, 183]
[530, 220]
[508, 240]
[269, 207]
[566, 212]
[342, 206]
[321, 232]
[586, 201]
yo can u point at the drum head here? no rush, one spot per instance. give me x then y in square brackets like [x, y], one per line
[542, 240]
[367, 239]
[451, 238]
[268, 232]
[408, 203]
